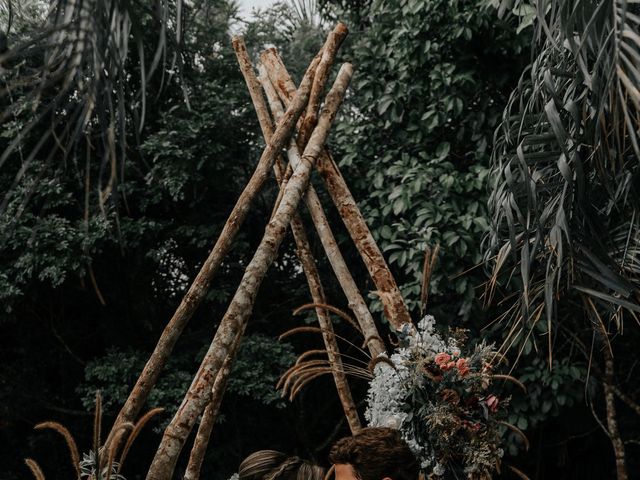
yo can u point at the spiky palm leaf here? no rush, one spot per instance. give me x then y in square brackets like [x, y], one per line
[75, 81]
[566, 168]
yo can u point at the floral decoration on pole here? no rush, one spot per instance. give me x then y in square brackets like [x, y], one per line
[441, 394]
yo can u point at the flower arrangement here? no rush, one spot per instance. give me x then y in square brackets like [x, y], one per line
[440, 396]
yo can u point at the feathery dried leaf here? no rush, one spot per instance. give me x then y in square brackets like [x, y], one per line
[70, 441]
[35, 468]
[140, 424]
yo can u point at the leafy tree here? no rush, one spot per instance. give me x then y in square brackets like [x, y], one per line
[431, 82]
[564, 192]
[416, 147]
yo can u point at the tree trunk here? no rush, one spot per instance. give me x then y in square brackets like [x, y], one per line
[395, 309]
[612, 422]
[319, 82]
[200, 285]
[235, 319]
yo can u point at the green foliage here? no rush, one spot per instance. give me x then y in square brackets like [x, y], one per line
[43, 244]
[115, 373]
[261, 362]
[564, 172]
[416, 142]
[549, 393]
[564, 204]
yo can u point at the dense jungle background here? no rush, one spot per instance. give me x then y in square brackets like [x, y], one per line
[88, 280]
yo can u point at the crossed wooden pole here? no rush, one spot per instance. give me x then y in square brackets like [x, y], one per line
[287, 109]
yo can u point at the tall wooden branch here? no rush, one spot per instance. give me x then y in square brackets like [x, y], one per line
[328, 241]
[297, 227]
[322, 74]
[200, 285]
[235, 319]
[210, 415]
[395, 309]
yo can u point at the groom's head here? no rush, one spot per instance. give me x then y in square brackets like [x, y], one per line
[374, 454]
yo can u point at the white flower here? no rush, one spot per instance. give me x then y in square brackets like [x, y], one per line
[390, 387]
[386, 396]
[439, 469]
[235, 476]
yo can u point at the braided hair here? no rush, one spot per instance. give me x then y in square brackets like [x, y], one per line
[274, 465]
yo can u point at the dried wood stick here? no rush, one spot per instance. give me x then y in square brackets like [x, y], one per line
[395, 309]
[210, 415]
[200, 285]
[235, 319]
[331, 248]
[322, 73]
[308, 120]
[300, 237]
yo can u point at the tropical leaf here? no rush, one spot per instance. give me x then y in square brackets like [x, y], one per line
[75, 78]
[565, 166]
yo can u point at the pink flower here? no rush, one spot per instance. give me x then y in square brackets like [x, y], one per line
[442, 359]
[448, 366]
[463, 366]
[472, 426]
[492, 402]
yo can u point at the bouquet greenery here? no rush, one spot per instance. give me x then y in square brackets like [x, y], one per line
[440, 395]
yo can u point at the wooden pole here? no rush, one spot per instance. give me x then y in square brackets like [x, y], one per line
[395, 309]
[320, 80]
[299, 234]
[210, 415]
[331, 248]
[235, 319]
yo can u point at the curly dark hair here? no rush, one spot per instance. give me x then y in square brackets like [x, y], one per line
[376, 453]
[274, 465]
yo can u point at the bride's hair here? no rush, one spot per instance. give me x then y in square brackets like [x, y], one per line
[274, 465]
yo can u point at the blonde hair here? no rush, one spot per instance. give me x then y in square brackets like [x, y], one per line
[274, 465]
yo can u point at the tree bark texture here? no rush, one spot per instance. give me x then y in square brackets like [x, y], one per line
[328, 241]
[322, 73]
[299, 234]
[210, 415]
[235, 319]
[612, 421]
[395, 309]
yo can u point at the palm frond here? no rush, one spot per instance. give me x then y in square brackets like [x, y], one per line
[565, 166]
[76, 78]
